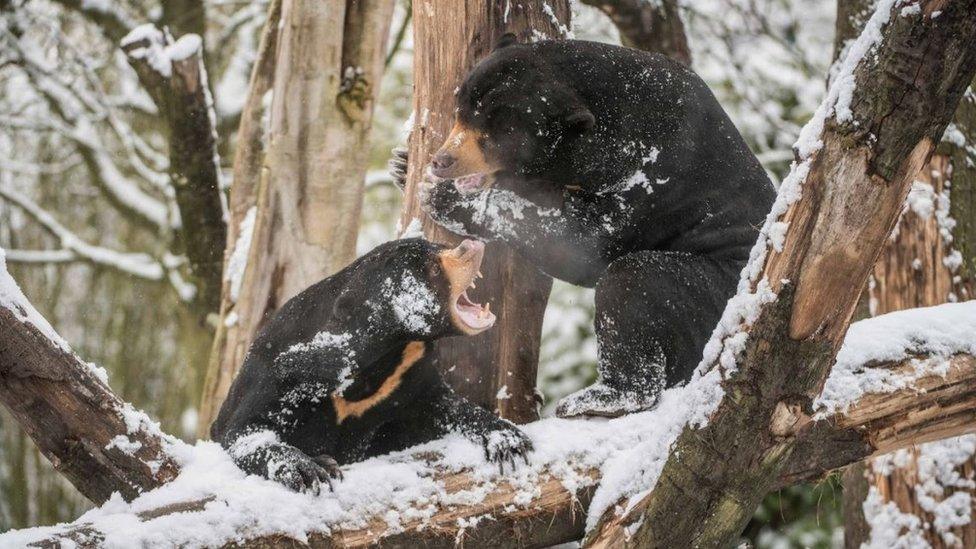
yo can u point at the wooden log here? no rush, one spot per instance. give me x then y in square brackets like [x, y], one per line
[936, 407]
[74, 418]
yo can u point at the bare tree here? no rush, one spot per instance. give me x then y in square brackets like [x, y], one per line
[296, 221]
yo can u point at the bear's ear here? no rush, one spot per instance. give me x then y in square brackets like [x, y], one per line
[343, 306]
[580, 119]
[506, 40]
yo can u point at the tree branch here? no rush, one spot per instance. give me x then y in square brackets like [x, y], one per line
[938, 406]
[136, 264]
[106, 15]
[100, 443]
[856, 161]
[174, 75]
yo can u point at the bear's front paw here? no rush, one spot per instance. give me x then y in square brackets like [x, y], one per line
[505, 446]
[446, 205]
[302, 473]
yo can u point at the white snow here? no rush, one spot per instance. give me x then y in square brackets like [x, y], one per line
[124, 444]
[396, 488]
[160, 50]
[237, 262]
[414, 229]
[413, 302]
[941, 490]
[14, 300]
[939, 332]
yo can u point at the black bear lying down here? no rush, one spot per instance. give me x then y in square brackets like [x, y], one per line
[342, 373]
[609, 167]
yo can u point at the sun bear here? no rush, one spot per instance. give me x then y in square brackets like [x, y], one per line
[343, 372]
[609, 167]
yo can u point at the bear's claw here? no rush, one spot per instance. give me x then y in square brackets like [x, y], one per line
[505, 446]
[600, 400]
[302, 473]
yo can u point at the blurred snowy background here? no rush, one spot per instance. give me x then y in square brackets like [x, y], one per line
[75, 128]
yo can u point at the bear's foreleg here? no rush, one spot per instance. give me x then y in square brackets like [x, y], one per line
[261, 452]
[568, 234]
[441, 411]
[655, 310]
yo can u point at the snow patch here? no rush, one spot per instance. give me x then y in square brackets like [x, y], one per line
[14, 300]
[413, 302]
[938, 332]
[237, 262]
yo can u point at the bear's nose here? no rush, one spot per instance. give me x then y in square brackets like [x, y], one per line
[442, 161]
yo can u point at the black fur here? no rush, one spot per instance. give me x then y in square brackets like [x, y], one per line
[346, 335]
[620, 170]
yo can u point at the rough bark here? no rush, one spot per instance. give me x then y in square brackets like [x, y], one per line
[327, 68]
[248, 156]
[449, 38]
[649, 26]
[72, 416]
[855, 485]
[904, 96]
[938, 407]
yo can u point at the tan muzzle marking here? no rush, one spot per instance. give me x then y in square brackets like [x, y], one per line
[462, 144]
[413, 352]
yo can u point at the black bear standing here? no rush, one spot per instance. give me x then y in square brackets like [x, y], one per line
[342, 371]
[611, 167]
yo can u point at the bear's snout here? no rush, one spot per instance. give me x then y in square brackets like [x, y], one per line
[441, 162]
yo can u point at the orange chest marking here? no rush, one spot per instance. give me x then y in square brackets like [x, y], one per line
[413, 352]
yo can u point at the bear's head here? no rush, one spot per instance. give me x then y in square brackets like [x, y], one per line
[415, 289]
[513, 113]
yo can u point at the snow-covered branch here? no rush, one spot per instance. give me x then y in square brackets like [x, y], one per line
[100, 443]
[109, 16]
[74, 122]
[888, 105]
[173, 73]
[444, 492]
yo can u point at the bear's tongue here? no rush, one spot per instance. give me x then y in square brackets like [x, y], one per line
[473, 314]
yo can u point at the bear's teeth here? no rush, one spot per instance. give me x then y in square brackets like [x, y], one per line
[472, 284]
[480, 275]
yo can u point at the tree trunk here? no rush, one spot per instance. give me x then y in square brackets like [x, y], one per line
[449, 38]
[248, 158]
[926, 264]
[304, 218]
[649, 26]
[854, 173]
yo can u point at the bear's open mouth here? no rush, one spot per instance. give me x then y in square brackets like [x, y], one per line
[462, 266]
